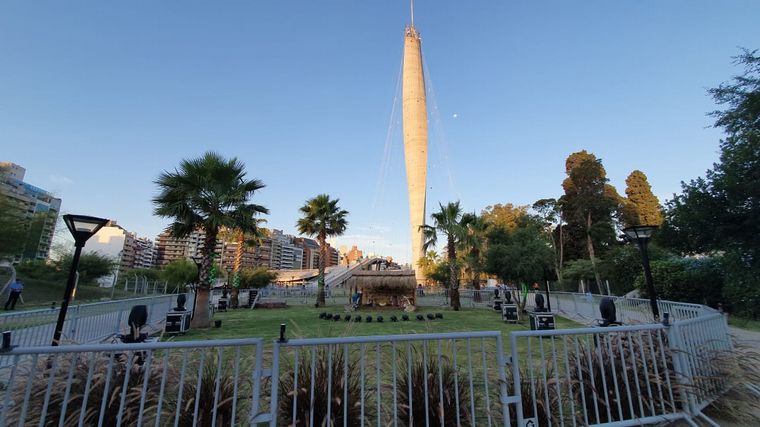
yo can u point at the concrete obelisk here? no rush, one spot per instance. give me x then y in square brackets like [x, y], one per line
[415, 138]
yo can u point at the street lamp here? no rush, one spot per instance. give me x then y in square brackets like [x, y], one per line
[641, 234]
[82, 228]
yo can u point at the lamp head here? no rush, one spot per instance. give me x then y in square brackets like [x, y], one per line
[83, 227]
[639, 233]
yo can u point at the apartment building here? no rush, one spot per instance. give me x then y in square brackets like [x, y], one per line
[37, 208]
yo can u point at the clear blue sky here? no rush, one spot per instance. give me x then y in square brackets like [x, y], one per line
[97, 98]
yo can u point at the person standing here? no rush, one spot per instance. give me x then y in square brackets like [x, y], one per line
[15, 293]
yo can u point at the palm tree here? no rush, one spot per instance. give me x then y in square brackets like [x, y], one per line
[243, 240]
[474, 243]
[207, 194]
[447, 221]
[323, 218]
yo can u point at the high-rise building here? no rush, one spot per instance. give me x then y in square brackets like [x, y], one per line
[285, 255]
[37, 208]
[123, 246]
[168, 248]
[352, 255]
[310, 252]
[415, 138]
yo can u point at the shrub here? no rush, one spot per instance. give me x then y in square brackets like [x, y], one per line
[695, 280]
[80, 364]
[324, 374]
[208, 394]
[422, 373]
[610, 362]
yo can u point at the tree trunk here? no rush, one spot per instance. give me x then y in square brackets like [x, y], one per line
[321, 277]
[591, 256]
[475, 253]
[234, 297]
[453, 279]
[201, 319]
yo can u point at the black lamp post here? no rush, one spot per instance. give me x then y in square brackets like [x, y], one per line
[198, 262]
[641, 234]
[82, 228]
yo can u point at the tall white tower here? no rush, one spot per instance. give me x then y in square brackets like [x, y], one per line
[415, 138]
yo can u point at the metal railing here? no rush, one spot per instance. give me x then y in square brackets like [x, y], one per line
[628, 375]
[629, 310]
[429, 379]
[172, 383]
[84, 322]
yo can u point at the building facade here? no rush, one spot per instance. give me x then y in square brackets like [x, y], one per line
[37, 209]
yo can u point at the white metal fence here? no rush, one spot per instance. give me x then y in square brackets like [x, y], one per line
[430, 379]
[627, 375]
[84, 322]
[175, 383]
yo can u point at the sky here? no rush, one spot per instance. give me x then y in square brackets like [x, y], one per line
[98, 98]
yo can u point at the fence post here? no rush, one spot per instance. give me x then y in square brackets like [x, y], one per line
[275, 384]
[517, 390]
[681, 368]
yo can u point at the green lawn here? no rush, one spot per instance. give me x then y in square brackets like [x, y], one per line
[744, 323]
[42, 293]
[304, 322]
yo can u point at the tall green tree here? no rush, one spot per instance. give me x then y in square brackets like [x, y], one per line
[323, 218]
[548, 212]
[504, 216]
[588, 206]
[207, 193]
[448, 222]
[641, 206]
[474, 245]
[14, 228]
[519, 256]
[720, 212]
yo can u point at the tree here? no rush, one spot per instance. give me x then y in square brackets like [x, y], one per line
[323, 218]
[505, 216]
[258, 277]
[244, 239]
[549, 214]
[207, 193]
[92, 266]
[521, 255]
[641, 207]
[588, 204]
[180, 272]
[13, 226]
[428, 263]
[473, 245]
[448, 222]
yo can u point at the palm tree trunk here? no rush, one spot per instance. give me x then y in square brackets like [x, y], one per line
[591, 256]
[453, 279]
[321, 277]
[202, 318]
[475, 254]
[234, 298]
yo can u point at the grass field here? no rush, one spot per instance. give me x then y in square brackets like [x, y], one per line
[304, 322]
[42, 293]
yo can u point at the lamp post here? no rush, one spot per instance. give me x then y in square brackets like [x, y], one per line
[198, 262]
[82, 228]
[229, 275]
[641, 234]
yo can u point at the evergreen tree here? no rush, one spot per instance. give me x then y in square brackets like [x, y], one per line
[587, 207]
[641, 207]
[504, 216]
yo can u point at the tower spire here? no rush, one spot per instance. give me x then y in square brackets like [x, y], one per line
[411, 8]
